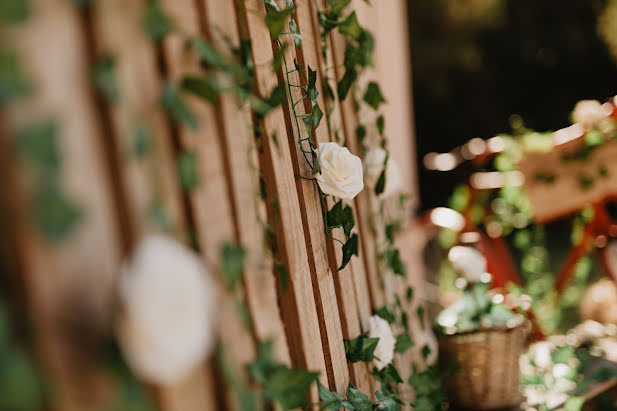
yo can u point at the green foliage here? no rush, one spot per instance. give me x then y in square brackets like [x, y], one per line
[349, 26]
[386, 314]
[246, 398]
[13, 82]
[339, 216]
[155, 22]
[104, 75]
[142, 140]
[188, 167]
[14, 11]
[403, 343]
[37, 144]
[275, 21]
[392, 258]
[281, 385]
[428, 388]
[349, 248]
[332, 400]
[380, 123]
[358, 400]
[173, 101]
[381, 183]
[232, 263]
[201, 87]
[295, 33]
[373, 96]
[337, 6]
[54, 213]
[388, 402]
[360, 348]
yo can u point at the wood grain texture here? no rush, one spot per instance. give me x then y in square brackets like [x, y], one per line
[68, 282]
[297, 302]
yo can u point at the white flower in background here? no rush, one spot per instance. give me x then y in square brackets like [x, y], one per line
[541, 354]
[341, 171]
[588, 113]
[373, 166]
[468, 261]
[588, 330]
[168, 298]
[379, 328]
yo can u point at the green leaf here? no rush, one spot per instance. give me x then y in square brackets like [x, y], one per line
[141, 144]
[393, 262]
[316, 165]
[403, 343]
[275, 21]
[388, 402]
[272, 3]
[373, 96]
[386, 314]
[317, 115]
[158, 215]
[277, 61]
[409, 294]
[388, 376]
[381, 124]
[173, 102]
[327, 22]
[264, 365]
[359, 400]
[188, 166]
[332, 400]
[38, 145]
[300, 69]
[420, 314]
[155, 22]
[594, 138]
[360, 133]
[585, 182]
[232, 264]
[104, 75]
[381, 182]
[346, 82]
[426, 351]
[200, 87]
[350, 26]
[360, 348]
[55, 215]
[350, 248]
[312, 88]
[13, 82]
[14, 11]
[337, 6]
[283, 273]
[574, 404]
[208, 54]
[295, 33]
[289, 387]
[391, 230]
[339, 216]
[290, 5]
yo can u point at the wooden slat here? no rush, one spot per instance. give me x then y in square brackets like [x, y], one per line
[211, 209]
[241, 156]
[297, 303]
[69, 282]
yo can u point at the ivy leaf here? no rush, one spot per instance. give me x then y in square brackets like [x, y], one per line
[173, 102]
[350, 248]
[574, 404]
[37, 144]
[332, 400]
[14, 11]
[277, 61]
[199, 87]
[283, 273]
[289, 387]
[373, 96]
[359, 400]
[426, 351]
[272, 3]
[264, 365]
[300, 69]
[393, 261]
[277, 97]
[312, 88]
[232, 264]
[360, 348]
[55, 215]
[316, 165]
[381, 124]
[142, 144]
[155, 22]
[290, 5]
[360, 133]
[295, 33]
[327, 22]
[350, 26]
[344, 85]
[389, 377]
[409, 294]
[403, 343]
[208, 54]
[317, 115]
[187, 170]
[386, 314]
[13, 83]
[104, 75]
[388, 402]
[339, 216]
[275, 21]
[381, 182]
[391, 230]
[337, 6]
[420, 314]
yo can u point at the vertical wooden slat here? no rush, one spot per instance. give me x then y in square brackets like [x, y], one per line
[297, 302]
[241, 155]
[68, 282]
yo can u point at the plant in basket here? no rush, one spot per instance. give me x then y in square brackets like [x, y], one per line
[482, 335]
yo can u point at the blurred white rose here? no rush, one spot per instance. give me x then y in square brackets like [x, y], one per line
[468, 261]
[379, 328]
[541, 354]
[373, 166]
[588, 113]
[341, 171]
[166, 325]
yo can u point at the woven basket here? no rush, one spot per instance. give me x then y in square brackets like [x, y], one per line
[488, 377]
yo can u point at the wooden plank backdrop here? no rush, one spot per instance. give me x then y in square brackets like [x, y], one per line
[125, 197]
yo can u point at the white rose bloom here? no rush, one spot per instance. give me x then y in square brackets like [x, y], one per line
[379, 328]
[373, 166]
[341, 171]
[541, 354]
[468, 261]
[588, 113]
[168, 298]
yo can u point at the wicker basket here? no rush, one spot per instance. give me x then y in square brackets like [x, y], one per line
[488, 377]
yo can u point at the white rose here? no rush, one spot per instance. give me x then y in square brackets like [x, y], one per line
[341, 171]
[468, 261]
[373, 166]
[166, 325]
[379, 328]
[588, 113]
[541, 354]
